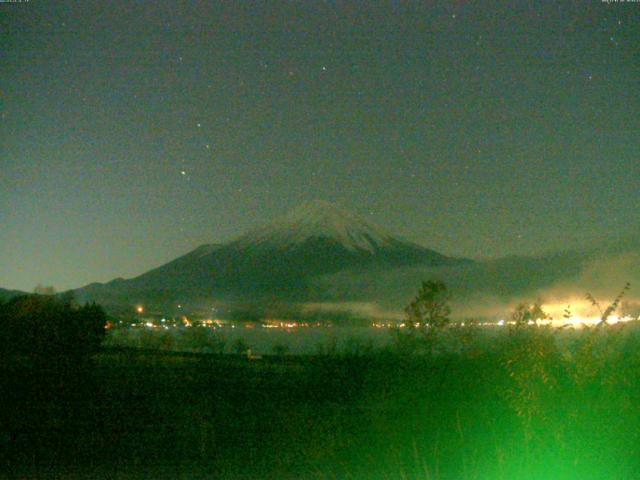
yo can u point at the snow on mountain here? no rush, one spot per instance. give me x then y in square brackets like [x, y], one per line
[279, 261]
[319, 219]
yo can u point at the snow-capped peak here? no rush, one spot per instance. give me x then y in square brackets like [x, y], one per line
[319, 219]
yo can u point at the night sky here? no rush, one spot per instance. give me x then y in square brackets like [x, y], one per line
[133, 133]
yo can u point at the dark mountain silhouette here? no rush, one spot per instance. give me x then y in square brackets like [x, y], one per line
[275, 261]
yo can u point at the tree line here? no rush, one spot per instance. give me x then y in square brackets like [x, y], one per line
[41, 326]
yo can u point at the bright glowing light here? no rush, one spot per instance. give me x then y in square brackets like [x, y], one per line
[139, 309]
[577, 313]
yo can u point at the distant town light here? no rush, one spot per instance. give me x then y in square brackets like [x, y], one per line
[139, 309]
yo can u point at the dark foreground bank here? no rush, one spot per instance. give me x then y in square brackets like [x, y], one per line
[519, 409]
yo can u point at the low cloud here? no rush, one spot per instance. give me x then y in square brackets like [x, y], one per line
[358, 309]
[492, 289]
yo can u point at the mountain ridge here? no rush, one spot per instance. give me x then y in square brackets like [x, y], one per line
[319, 219]
[275, 260]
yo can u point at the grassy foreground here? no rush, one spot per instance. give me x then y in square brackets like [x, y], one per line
[523, 405]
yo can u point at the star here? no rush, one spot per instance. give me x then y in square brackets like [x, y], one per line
[182, 172]
[198, 125]
[207, 146]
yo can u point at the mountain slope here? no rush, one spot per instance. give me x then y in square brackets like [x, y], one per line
[318, 219]
[278, 259]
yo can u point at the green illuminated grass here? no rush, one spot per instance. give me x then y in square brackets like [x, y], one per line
[525, 403]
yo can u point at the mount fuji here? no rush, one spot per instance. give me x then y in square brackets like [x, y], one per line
[278, 260]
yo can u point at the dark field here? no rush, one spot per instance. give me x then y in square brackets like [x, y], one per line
[520, 408]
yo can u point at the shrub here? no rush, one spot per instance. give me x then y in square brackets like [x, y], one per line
[426, 318]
